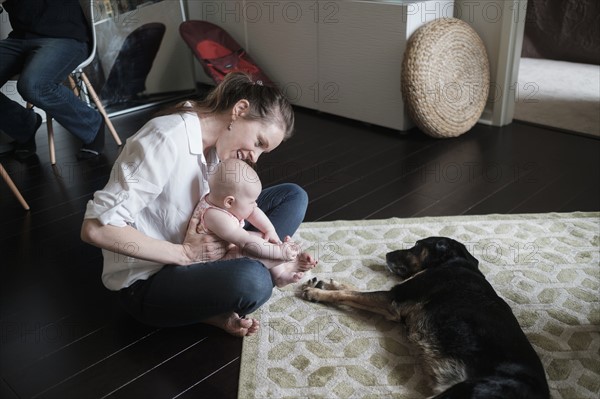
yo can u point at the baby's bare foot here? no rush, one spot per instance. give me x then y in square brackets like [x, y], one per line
[286, 273]
[292, 271]
[234, 324]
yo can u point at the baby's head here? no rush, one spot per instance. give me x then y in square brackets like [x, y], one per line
[234, 186]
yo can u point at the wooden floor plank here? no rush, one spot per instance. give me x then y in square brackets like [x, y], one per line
[217, 385]
[95, 342]
[124, 364]
[177, 377]
[6, 391]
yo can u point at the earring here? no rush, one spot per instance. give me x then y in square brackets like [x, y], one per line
[230, 124]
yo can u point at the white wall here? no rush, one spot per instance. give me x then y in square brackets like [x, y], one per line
[500, 24]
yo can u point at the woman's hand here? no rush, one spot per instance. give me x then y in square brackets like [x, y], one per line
[202, 247]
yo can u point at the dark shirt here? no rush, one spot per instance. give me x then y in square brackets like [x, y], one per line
[47, 18]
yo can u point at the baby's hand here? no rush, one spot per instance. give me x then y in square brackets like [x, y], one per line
[272, 237]
[290, 250]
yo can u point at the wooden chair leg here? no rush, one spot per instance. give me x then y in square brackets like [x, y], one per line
[13, 188]
[50, 129]
[73, 85]
[96, 100]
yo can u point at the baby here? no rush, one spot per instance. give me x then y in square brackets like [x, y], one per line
[234, 188]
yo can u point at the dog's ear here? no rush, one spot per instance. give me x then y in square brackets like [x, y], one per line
[464, 253]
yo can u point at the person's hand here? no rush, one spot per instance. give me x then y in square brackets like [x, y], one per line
[202, 247]
[290, 249]
[272, 237]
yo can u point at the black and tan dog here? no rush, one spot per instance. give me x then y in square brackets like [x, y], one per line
[471, 344]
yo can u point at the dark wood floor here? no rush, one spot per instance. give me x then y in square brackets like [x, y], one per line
[62, 335]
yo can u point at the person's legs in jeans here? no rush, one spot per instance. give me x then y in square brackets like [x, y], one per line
[15, 120]
[184, 295]
[49, 62]
[285, 205]
[217, 292]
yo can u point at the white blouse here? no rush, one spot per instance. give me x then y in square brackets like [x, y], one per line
[155, 183]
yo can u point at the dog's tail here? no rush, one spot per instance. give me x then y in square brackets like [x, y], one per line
[506, 383]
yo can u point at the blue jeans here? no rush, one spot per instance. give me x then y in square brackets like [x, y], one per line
[183, 295]
[43, 65]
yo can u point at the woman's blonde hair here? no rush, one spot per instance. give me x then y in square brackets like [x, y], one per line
[267, 103]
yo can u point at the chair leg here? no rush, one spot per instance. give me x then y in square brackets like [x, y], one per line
[73, 85]
[96, 100]
[13, 188]
[50, 129]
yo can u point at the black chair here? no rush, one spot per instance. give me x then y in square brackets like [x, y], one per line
[127, 77]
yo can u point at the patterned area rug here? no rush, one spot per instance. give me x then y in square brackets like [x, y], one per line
[546, 266]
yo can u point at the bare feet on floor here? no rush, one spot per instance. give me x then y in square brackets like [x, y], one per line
[234, 324]
[293, 271]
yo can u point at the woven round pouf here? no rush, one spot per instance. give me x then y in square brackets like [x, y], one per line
[445, 77]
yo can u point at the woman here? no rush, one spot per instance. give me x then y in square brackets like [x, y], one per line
[167, 272]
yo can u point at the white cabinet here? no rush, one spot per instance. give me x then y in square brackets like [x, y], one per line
[360, 57]
[342, 57]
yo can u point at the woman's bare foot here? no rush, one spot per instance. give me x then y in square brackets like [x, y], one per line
[306, 261]
[234, 324]
[293, 271]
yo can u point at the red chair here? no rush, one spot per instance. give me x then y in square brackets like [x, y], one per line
[218, 53]
[127, 77]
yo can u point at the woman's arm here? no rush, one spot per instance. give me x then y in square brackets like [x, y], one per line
[127, 241]
[138, 177]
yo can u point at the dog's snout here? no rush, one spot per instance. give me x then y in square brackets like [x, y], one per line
[395, 263]
[392, 258]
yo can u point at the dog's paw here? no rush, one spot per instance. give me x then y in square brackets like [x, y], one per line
[312, 283]
[310, 288]
[333, 285]
[308, 294]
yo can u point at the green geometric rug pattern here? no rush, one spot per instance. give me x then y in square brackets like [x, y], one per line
[546, 266]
